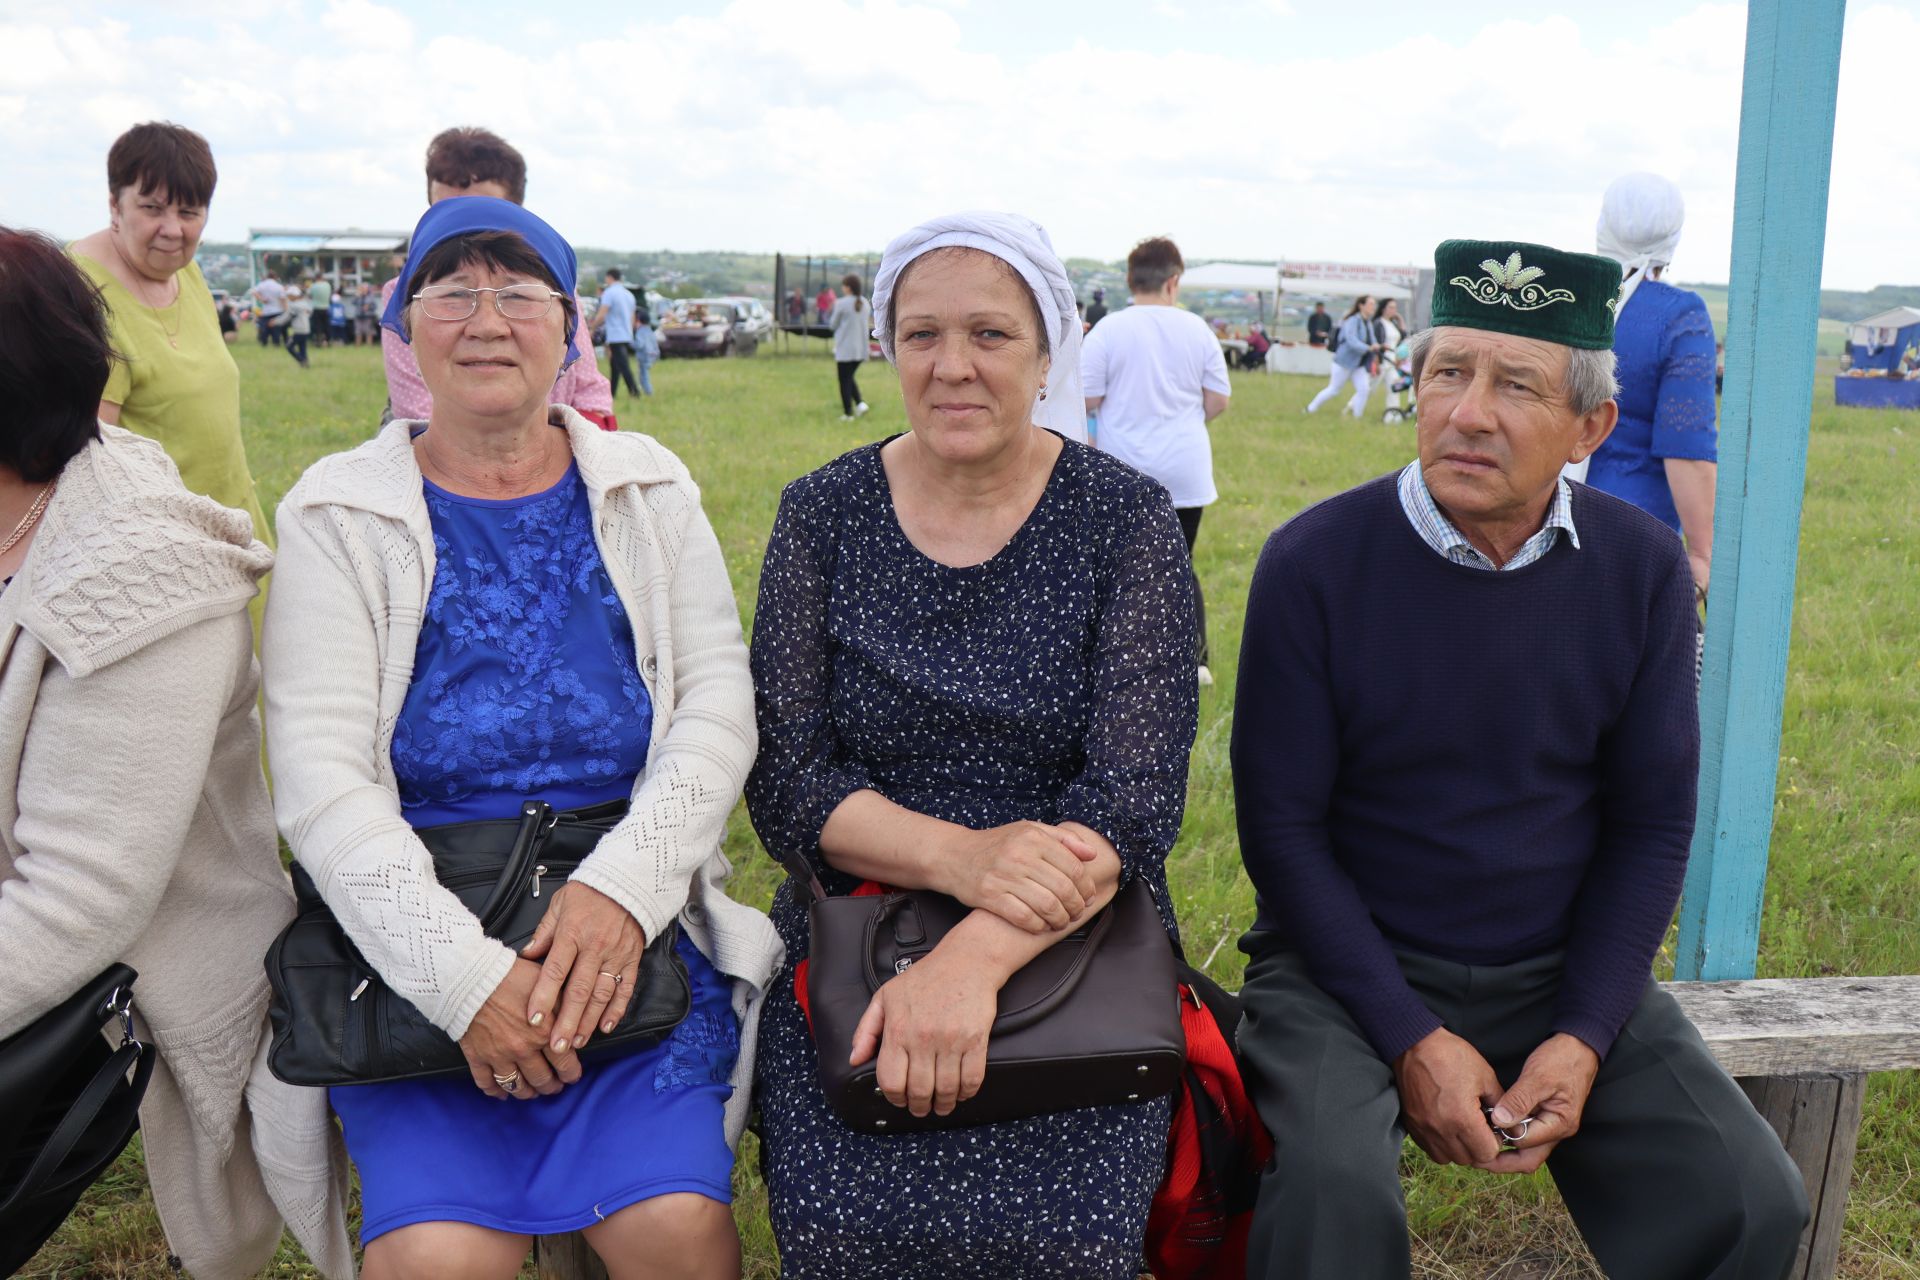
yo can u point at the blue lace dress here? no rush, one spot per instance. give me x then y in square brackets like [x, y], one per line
[1665, 345]
[525, 686]
[1053, 682]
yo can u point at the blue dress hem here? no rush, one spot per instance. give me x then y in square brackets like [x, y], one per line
[601, 1209]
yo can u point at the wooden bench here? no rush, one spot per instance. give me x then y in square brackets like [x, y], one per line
[1801, 1048]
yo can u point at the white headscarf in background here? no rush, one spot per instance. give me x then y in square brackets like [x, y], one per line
[1639, 228]
[1022, 244]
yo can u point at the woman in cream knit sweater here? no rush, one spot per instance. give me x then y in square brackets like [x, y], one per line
[134, 821]
[497, 605]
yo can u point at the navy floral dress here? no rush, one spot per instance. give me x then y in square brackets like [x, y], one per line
[525, 686]
[1053, 682]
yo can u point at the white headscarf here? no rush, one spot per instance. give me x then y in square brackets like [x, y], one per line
[1640, 219]
[1022, 244]
[1639, 228]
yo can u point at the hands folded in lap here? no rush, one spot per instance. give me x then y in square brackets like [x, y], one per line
[1446, 1087]
[1034, 876]
[585, 957]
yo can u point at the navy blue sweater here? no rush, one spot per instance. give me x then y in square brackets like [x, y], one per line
[1479, 766]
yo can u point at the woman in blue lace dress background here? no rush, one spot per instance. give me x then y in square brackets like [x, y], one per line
[973, 658]
[1663, 455]
[499, 604]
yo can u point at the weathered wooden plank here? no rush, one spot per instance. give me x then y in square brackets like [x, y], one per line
[1779, 227]
[1807, 1026]
[1818, 1120]
[567, 1257]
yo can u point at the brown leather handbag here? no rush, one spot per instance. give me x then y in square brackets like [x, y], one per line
[1092, 1021]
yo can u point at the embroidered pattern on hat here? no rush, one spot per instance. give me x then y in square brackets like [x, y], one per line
[1512, 284]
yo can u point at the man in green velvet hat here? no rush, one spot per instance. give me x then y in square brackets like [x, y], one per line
[1465, 750]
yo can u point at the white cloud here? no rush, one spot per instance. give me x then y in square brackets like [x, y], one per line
[361, 24]
[832, 124]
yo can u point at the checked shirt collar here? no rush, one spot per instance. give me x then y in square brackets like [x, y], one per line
[1439, 532]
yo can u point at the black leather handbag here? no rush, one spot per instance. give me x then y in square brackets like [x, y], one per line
[335, 1022]
[1094, 1020]
[68, 1107]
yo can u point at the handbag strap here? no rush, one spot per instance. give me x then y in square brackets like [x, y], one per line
[802, 872]
[86, 1109]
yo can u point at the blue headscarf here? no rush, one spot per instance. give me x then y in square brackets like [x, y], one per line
[463, 215]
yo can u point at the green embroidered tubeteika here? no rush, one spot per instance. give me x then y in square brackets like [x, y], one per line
[1529, 290]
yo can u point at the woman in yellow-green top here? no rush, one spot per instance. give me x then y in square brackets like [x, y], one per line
[174, 381]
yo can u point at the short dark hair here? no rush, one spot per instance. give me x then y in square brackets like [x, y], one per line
[163, 158]
[613, 273]
[54, 356]
[1153, 262]
[953, 250]
[501, 250]
[464, 155]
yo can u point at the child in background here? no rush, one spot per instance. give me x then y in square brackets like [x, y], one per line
[299, 324]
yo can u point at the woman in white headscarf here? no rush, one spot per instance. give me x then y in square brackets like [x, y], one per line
[973, 662]
[1662, 455]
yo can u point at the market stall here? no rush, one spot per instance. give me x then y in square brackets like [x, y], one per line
[1883, 358]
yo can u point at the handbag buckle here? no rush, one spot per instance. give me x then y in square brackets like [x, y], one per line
[120, 1005]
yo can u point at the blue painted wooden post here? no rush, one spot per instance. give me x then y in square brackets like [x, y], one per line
[1779, 234]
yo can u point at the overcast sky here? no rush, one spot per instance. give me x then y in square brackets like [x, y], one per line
[1252, 129]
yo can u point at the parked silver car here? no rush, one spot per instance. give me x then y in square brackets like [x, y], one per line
[714, 327]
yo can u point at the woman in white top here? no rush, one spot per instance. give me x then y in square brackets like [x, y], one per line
[852, 321]
[1154, 375]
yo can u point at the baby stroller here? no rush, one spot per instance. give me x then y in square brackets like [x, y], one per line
[1400, 380]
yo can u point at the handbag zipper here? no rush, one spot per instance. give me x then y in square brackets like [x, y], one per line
[538, 871]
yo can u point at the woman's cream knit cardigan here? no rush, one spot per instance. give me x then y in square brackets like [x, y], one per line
[349, 596]
[135, 826]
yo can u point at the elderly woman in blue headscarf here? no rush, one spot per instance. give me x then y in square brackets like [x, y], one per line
[973, 654]
[498, 605]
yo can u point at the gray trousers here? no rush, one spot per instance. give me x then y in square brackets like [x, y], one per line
[1672, 1176]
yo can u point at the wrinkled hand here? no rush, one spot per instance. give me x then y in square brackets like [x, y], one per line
[929, 1026]
[590, 948]
[1034, 876]
[1444, 1083]
[1552, 1089]
[499, 1042]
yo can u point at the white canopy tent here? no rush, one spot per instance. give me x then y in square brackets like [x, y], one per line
[1266, 277]
[1880, 330]
[1251, 276]
[1326, 287]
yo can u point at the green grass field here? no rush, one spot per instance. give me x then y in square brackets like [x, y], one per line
[1844, 896]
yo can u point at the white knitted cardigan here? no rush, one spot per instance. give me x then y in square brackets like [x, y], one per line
[349, 595]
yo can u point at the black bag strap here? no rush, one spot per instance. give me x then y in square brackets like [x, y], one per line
[104, 1096]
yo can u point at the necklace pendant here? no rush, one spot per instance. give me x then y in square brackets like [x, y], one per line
[173, 342]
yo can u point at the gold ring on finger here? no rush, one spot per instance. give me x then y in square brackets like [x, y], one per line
[510, 1082]
[617, 978]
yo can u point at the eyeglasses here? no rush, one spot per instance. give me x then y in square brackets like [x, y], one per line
[457, 302]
